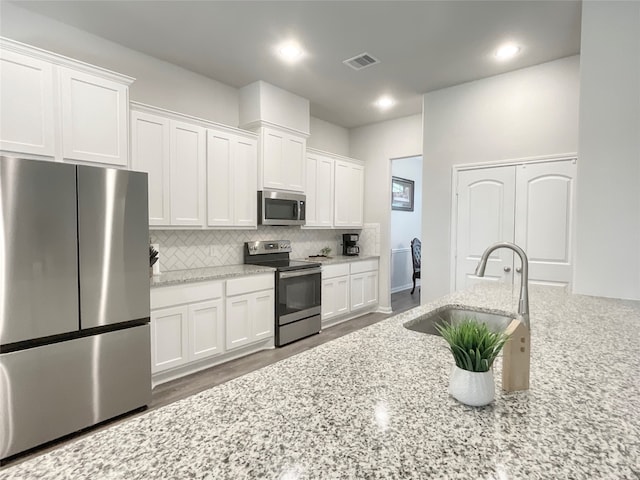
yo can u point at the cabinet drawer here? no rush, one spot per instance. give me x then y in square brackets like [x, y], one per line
[162, 297]
[238, 286]
[332, 271]
[364, 266]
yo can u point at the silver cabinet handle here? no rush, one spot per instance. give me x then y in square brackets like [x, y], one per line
[519, 269]
[507, 269]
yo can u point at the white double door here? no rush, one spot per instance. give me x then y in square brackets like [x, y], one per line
[530, 205]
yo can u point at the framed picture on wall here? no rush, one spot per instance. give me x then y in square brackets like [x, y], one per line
[402, 194]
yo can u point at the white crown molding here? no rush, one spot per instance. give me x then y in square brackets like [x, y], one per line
[60, 60]
[261, 123]
[315, 151]
[145, 108]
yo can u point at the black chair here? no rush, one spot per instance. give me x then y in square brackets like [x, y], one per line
[416, 253]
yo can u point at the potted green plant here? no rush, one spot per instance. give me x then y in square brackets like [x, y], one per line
[474, 348]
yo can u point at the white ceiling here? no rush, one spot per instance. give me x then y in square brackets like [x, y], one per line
[423, 45]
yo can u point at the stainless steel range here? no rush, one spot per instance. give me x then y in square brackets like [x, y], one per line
[298, 289]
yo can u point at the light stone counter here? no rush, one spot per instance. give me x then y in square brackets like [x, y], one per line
[374, 404]
[207, 273]
[340, 259]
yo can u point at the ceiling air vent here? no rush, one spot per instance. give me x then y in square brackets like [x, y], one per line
[361, 61]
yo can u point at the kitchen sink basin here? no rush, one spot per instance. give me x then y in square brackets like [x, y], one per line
[453, 316]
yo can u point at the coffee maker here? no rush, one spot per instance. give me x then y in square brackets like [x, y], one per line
[349, 247]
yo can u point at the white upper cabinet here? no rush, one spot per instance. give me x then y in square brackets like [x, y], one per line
[188, 166]
[94, 118]
[281, 160]
[320, 191]
[349, 194]
[54, 106]
[150, 153]
[26, 106]
[232, 163]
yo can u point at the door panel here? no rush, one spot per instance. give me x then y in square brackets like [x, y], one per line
[169, 331]
[219, 187]
[544, 205]
[150, 150]
[206, 321]
[485, 216]
[238, 321]
[245, 174]
[113, 233]
[263, 315]
[26, 109]
[39, 254]
[188, 165]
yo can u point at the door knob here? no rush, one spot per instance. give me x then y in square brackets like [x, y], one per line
[507, 269]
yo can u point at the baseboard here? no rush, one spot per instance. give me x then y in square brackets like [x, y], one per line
[385, 310]
[402, 288]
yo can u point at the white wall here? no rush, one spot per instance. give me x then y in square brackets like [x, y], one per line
[405, 226]
[328, 137]
[608, 188]
[157, 82]
[526, 113]
[376, 145]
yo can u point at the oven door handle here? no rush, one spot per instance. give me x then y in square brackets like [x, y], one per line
[300, 273]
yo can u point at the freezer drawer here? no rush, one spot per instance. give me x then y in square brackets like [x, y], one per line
[113, 234]
[38, 250]
[50, 391]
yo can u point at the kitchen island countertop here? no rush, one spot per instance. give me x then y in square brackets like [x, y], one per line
[374, 404]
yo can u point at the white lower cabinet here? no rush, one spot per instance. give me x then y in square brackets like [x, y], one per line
[169, 338]
[349, 287]
[194, 326]
[250, 310]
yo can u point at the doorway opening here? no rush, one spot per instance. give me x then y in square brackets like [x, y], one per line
[406, 227]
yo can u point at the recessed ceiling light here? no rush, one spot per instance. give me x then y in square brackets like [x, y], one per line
[385, 102]
[290, 52]
[507, 51]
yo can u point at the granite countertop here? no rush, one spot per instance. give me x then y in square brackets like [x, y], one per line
[340, 259]
[374, 404]
[208, 273]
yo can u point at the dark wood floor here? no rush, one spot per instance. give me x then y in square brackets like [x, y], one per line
[192, 384]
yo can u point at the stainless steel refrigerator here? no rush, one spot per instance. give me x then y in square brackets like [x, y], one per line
[74, 299]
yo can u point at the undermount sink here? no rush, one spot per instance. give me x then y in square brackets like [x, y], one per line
[453, 316]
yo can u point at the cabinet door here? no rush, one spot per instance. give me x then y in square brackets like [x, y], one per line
[272, 152]
[238, 321]
[293, 163]
[356, 196]
[349, 194]
[188, 165]
[319, 191]
[282, 160]
[357, 291]
[485, 215]
[335, 297]
[206, 329]
[26, 105]
[342, 183]
[169, 338]
[94, 118]
[220, 194]
[544, 218]
[150, 152]
[370, 286]
[245, 182]
[262, 315]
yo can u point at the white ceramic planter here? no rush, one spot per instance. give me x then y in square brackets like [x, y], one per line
[472, 388]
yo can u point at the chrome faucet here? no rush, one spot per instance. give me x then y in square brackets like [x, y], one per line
[523, 303]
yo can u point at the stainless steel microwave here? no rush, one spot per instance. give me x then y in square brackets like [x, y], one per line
[281, 208]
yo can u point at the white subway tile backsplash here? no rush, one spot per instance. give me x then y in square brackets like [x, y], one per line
[184, 249]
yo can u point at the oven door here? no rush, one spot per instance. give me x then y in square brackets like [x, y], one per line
[298, 293]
